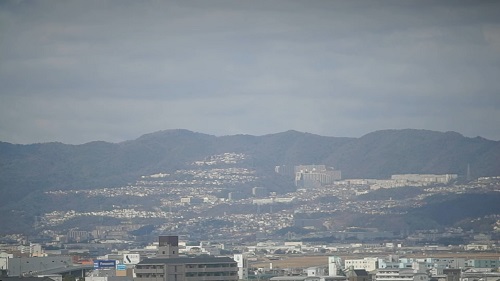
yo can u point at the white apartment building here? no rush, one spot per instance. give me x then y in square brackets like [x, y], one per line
[426, 178]
[368, 264]
[401, 275]
[428, 263]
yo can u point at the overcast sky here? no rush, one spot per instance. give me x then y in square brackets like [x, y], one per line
[78, 71]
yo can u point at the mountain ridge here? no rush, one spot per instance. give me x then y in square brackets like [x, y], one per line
[28, 170]
[41, 166]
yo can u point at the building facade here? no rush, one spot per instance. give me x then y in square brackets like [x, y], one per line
[400, 275]
[168, 266]
[187, 269]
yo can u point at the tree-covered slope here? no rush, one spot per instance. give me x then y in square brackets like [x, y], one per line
[26, 168]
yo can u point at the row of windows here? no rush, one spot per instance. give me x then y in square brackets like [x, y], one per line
[149, 266]
[213, 265]
[199, 274]
[149, 275]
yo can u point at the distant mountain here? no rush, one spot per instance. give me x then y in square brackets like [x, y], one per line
[27, 169]
[383, 153]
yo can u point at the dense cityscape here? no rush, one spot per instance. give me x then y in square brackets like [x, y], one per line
[294, 235]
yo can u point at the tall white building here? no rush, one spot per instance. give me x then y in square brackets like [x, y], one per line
[242, 264]
[307, 176]
[334, 265]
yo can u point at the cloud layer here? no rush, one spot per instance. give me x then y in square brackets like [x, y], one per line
[77, 71]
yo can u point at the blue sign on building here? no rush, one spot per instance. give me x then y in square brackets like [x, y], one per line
[104, 264]
[121, 267]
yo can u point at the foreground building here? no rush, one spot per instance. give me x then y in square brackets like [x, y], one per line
[168, 266]
[401, 275]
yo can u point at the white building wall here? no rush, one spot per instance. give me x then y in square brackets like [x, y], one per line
[334, 264]
[242, 264]
[368, 264]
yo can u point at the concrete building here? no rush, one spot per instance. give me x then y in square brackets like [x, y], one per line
[75, 235]
[168, 247]
[36, 250]
[368, 264]
[428, 263]
[190, 200]
[44, 278]
[334, 266]
[308, 278]
[452, 274]
[440, 262]
[187, 269]
[168, 266]
[472, 275]
[242, 263]
[316, 271]
[307, 176]
[316, 179]
[33, 265]
[4, 260]
[401, 275]
[259, 191]
[109, 278]
[426, 178]
[286, 170]
[482, 263]
[309, 168]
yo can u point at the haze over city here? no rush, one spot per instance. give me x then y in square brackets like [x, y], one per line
[78, 71]
[249, 140]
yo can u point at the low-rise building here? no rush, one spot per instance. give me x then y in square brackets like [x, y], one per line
[401, 275]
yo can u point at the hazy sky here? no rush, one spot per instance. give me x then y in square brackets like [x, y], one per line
[77, 71]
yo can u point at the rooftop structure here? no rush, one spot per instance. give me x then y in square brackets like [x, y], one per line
[168, 266]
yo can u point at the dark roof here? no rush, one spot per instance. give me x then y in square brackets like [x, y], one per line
[361, 272]
[12, 278]
[66, 269]
[185, 260]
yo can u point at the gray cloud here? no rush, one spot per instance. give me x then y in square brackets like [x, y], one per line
[76, 71]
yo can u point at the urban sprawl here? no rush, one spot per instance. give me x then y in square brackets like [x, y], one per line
[203, 227]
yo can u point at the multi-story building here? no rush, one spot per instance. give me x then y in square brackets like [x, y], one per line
[259, 191]
[33, 265]
[187, 269]
[286, 170]
[426, 178]
[334, 265]
[368, 264]
[307, 176]
[78, 235]
[482, 263]
[242, 263]
[401, 275]
[428, 263]
[168, 266]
